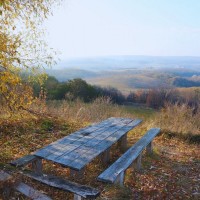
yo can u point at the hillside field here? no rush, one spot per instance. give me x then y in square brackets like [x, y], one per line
[172, 172]
[128, 73]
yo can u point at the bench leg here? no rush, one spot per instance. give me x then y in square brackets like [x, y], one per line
[138, 163]
[123, 143]
[77, 197]
[77, 174]
[37, 166]
[120, 179]
[149, 148]
[7, 192]
[105, 157]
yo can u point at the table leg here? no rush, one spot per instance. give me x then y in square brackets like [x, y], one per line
[37, 165]
[7, 192]
[77, 174]
[105, 156]
[77, 197]
[123, 143]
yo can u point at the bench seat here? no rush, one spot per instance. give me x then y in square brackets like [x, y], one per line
[21, 162]
[22, 188]
[115, 173]
[60, 183]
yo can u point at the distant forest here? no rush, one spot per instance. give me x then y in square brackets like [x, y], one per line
[78, 88]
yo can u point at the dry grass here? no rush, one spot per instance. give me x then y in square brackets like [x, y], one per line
[100, 109]
[179, 120]
[172, 173]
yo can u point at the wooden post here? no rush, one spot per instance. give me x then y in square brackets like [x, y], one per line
[105, 156]
[120, 179]
[138, 162]
[37, 166]
[149, 148]
[77, 197]
[123, 143]
[77, 174]
[7, 192]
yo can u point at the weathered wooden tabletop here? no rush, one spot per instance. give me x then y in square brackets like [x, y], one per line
[78, 149]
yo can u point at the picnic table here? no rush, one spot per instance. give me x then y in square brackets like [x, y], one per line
[81, 147]
[78, 149]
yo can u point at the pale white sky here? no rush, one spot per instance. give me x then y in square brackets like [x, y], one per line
[84, 28]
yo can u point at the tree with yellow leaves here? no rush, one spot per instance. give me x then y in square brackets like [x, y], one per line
[22, 48]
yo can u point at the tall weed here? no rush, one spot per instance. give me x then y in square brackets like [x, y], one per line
[98, 110]
[176, 119]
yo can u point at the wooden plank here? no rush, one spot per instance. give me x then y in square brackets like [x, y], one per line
[65, 149]
[23, 188]
[112, 130]
[58, 151]
[4, 176]
[23, 161]
[97, 149]
[81, 190]
[31, 192]
[68, 158]
[110, 174]
[82, 151]
[101, 137]
[57, 145]
[102, 146]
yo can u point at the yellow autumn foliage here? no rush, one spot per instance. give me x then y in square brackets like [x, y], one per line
[22, 48]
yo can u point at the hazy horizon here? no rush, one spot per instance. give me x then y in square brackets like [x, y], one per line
[93, 28]
[126, 55]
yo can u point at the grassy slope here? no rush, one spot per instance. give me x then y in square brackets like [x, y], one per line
[171, 173]
[127, 81]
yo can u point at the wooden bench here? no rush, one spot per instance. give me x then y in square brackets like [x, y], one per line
[78, 190]
[25, 160]
[60, 183]
[20, 187]
[115, 173]
[28, 159]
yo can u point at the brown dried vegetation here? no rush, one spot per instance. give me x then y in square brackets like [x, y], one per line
[171, 173]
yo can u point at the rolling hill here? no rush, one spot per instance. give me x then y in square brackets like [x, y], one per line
[131, 72]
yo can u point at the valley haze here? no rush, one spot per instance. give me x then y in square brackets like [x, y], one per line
[130, 72]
